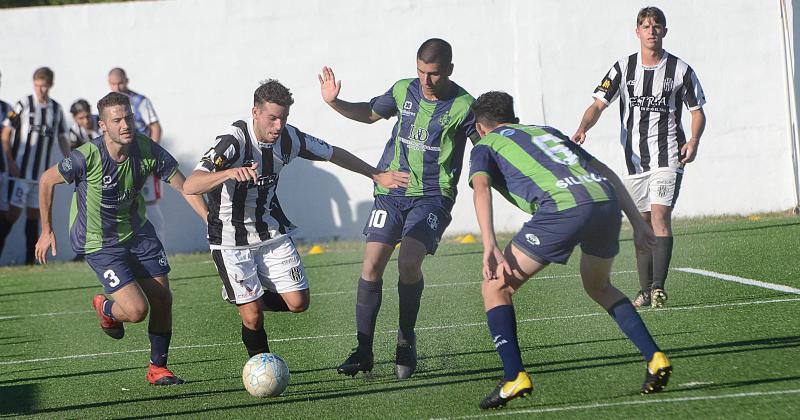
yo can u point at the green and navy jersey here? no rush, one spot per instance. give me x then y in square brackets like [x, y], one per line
[428, 139]
[107, 207]
[538, 168]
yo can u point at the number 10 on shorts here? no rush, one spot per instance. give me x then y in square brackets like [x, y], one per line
[377, 218]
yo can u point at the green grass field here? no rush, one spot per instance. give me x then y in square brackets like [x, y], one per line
[734, 346]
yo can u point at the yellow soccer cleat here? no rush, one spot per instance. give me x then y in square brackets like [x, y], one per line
[657, 375]
[507, 391]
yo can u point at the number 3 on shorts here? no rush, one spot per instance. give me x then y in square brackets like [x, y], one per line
[111, 275]
[377, 218]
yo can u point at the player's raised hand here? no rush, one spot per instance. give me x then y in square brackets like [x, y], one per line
[689, 151]
[328, 85]
[47, 240]
[392, 179]
[244, 173]
[579, 137]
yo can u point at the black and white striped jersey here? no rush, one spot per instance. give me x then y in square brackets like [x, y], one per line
[6, 111]
[36, 128]
[78, 135]
[245, 215]
[651, 101]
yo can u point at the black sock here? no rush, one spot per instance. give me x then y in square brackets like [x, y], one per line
[5, 228]
[31, 237]
[368, 303]
[662, 254]
[410, 295]
[255, 341]
[159, 347]
[274, 302]
[644, 265]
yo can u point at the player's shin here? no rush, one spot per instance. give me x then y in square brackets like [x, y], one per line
[159, 347]
[633, 327]
[368, 303]
[644, 266]
[502, 323]
[255, 340]
[409, 297]
[662, 254]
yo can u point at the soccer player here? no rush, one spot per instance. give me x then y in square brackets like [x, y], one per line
[108, 225]
[36, 122]
[574, 199]
[147, 123]
[248, 232]
[433, 123]
[653, 85]
[86, 126]
[6, 112]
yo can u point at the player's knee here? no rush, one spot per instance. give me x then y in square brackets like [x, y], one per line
[495, 288]
[137, 313]
[163, 299]
[297, 308]
[253, 321]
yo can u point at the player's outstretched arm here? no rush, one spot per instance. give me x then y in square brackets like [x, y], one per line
[195, 201]
[689, 150]
[356, 111]
[643, 236]
[47, 240]
[388, 179]
[493, 260]
[589, 119]
[201, 182]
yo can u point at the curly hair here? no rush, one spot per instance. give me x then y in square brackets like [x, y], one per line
[112, 99]
[494, 108]
[273, 91]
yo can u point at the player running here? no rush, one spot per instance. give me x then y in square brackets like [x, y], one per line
[248, 232]
[652, 87]
[574, 199]
[433, 123]
[108, 225]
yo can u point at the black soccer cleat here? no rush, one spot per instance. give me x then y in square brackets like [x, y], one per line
[358, 361]
[657, 375]
[507, 391]
[405, 359]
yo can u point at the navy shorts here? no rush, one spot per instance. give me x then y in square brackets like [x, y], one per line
[141, 256]
[551, 236]
[422, 218]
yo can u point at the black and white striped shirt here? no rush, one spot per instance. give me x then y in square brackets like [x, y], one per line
[246, 215]
[6, 112]
[651, 101]
[36, 128]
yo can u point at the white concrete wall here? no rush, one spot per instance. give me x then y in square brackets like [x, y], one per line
[199, 61]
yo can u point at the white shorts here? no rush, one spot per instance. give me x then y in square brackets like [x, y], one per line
[245, 273]
[25, 193]
[660, 187]
[3, 191]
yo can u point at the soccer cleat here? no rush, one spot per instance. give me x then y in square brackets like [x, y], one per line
[507, 391]
[657, 375]
[658, 297]
[642, 299]
[113, 328]
[405, 359]
[157, 375]
[358, 361]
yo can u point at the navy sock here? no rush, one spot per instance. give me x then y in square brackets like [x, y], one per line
[255, 341]
[409, 296]
[632, 325]
[274, 302]
[662, 254]
[107, 309]
[31, 237]
[503, 328]
[159, 347]
[368, 303]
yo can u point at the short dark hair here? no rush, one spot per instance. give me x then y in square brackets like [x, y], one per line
[273, 91]
[112, 99]
[435, 50]
[81, 105]
[651, 12]
[494, 108]
[44, 73]
[119, 70]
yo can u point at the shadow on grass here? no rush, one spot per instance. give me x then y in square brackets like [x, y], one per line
[18, 399]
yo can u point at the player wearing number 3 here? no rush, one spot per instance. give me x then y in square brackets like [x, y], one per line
[108, 225]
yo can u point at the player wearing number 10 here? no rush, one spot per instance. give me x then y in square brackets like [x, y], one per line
[108, 225]
[574, 199]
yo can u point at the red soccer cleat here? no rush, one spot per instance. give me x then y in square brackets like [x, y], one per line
[162, 376]
[113, 328]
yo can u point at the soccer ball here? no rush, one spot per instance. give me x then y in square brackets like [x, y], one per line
[265, 375]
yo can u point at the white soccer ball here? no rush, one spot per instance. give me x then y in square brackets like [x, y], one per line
[265, 375]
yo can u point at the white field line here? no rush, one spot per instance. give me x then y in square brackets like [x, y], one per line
[634, 402]
[741, 280]
[430, 328]
[314, 294]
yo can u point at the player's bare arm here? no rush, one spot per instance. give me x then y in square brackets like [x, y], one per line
[13, 169]
[589, 119]
[494, 264]
[643, 236]
[387, 179]
[195, 201]
[63, 144]
[201, 182]
[47, 240]
[356, 111]
[155, 132]
[689, 150]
